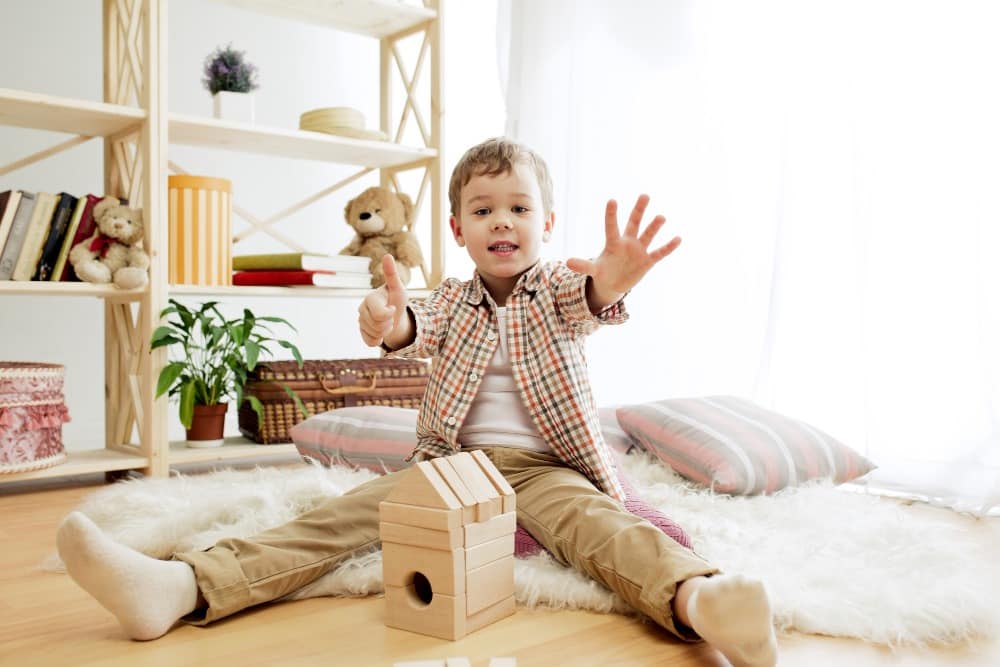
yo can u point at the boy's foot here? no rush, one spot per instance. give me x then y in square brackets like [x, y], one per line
[146, 595]
[733, 614]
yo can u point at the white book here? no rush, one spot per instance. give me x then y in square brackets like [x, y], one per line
[34, 237]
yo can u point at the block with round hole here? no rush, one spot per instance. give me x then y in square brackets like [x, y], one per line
[444, 570]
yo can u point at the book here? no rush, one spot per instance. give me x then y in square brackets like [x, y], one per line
[84, 230]
[11, 249]
[59, 270]
[301, 261]
[299, 278]
[57, 230]
[34, 237]
[9, 201]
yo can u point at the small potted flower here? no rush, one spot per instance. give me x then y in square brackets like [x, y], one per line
[231, 80]
[214, 357]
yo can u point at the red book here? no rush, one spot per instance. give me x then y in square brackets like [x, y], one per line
[293, 278]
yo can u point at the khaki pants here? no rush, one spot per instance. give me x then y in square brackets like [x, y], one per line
[580, 526]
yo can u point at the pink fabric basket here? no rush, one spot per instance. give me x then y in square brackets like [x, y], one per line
[32, 412]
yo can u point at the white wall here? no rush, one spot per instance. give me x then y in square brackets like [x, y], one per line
[301, 67]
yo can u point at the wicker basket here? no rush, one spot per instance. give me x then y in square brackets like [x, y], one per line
[326, 385]
[32, 412]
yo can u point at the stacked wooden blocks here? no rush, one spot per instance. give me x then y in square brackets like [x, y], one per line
[447, 533]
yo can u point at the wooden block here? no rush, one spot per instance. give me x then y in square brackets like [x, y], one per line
[423, 486]
[455, 482]
[447, 540]
[487, 552]
[422, 517]
[503, 662]
[443, 616]
[489, 584]
[444, 570]
[488, 501]
[457, 662]
[496, 478]
[477, 533]
[500, 610]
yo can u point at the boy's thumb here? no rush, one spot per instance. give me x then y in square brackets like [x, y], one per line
[391, 274]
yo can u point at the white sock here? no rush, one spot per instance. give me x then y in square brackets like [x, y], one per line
[146, 595]
[733, 614]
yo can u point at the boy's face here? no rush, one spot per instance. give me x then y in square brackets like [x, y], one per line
[502, 224]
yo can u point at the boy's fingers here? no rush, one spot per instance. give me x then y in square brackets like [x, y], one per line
[394, 314]
[663, 251]
[584, 266]
[392, 281]
[632, 228]
[611, 220]
[654, 227]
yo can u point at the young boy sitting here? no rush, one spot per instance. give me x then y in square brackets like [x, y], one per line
[509, 379]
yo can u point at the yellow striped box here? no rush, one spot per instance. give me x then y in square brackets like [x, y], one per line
[201, 240]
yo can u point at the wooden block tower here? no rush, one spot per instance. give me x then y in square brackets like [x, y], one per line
[447, 533]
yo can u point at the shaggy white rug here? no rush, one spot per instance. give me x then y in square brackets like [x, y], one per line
[835, 562]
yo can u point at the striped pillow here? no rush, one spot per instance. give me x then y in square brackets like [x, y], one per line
[737, 447]
[379, 437]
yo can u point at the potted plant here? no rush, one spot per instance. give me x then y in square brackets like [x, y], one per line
[216, 357]
[231, 80]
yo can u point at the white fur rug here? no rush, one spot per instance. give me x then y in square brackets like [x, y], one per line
[835, 562]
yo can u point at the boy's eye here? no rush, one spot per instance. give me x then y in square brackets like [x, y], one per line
[519, 209]
[481, 211]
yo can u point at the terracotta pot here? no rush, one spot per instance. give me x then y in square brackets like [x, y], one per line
[207, 425]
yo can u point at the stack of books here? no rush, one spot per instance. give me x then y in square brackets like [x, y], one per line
[37, 231]
[298, 269]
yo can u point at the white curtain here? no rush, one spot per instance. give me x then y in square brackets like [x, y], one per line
[834, 170]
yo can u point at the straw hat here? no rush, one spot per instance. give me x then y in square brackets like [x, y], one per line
[343, 121]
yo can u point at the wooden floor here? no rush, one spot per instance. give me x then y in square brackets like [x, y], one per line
[46, 620]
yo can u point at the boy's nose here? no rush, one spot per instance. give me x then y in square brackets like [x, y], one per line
[501, 223]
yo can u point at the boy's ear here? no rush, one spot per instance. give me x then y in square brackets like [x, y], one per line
[456, 230]
[550, 222]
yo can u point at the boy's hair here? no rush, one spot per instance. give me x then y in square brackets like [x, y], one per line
[494, 157]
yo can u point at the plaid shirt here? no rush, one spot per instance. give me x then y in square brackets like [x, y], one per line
[548, 320]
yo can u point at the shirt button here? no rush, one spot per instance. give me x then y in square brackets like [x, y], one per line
[452, 421]
[473, 377]
[491, 336]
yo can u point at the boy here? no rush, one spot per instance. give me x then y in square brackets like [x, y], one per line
[509, 379]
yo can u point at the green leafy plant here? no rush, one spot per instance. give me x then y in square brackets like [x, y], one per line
[216, 356]
[227, 69]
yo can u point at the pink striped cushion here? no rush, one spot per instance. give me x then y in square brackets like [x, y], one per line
[737, 447]
[379, 437]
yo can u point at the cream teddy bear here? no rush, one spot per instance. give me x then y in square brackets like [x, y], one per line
[380, 218]
[114, 252]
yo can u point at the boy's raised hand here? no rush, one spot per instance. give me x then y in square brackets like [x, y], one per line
[626, 257]
[382, 309]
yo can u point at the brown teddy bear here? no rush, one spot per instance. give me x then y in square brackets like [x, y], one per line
[381, 218]
[114, 252]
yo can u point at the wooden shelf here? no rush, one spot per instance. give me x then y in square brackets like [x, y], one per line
[285, 292]
[233, 448]
[83, 463]
[245, 138]
[375, 18]
[43, 288]
[61, 114]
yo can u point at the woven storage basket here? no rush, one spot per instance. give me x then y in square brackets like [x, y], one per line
[32, 412]
[326, 385]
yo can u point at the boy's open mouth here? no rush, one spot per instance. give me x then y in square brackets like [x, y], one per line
[503, 247]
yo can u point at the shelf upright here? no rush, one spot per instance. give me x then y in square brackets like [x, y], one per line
[135, 167]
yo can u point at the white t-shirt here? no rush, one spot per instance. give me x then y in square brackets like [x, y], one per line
[498, 416]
